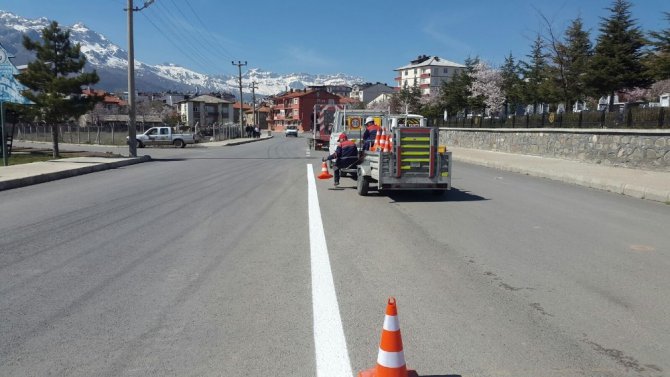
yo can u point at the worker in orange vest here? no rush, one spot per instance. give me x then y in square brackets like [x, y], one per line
[370, 133]
[346, 155]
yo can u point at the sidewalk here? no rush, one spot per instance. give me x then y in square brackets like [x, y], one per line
[637, 183]
[641, 184]
[15, 176]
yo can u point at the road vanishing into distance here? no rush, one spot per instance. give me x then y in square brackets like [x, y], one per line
[235, 261]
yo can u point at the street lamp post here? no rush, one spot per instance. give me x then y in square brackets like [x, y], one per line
[132, 141]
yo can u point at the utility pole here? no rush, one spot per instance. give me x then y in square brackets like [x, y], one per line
[239, 65]
[132, 133]
[253, 94]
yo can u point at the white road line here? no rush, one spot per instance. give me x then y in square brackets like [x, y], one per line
[332, 357]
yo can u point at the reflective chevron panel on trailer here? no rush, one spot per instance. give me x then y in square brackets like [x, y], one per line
[415, 151]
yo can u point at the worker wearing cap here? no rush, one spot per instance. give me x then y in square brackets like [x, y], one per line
[370, 133]
[346, 155]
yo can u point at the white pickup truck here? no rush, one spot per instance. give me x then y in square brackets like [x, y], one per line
[164, 136]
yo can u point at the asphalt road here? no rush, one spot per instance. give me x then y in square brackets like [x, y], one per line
[202, 263]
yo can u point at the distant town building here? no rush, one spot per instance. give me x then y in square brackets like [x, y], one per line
[340, 90]
[381, 102]
[236, 111]
[368, 91]
[428, 73]
[297, 108]
[261, 118]
[109, 102]
[205, 110]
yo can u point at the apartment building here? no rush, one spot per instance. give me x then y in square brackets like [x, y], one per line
[205, 110]
[428, 73]
[297, 108]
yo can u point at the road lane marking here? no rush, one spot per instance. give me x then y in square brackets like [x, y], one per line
[332, 356]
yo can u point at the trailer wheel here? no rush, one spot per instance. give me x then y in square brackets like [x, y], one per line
[362, 185]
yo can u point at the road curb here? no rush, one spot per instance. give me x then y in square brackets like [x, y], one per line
[47, 177]
[247, 141]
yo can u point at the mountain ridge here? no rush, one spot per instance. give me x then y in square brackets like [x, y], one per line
[111, 62]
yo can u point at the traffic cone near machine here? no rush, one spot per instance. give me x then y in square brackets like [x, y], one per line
[324, 172]
[389, 143]
[378, 141]
[391, 359]
[383, 140]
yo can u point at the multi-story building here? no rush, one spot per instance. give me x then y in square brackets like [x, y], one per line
[368, 91]
[297, 108]
[340, 90]
[205, 110]
[428, 73]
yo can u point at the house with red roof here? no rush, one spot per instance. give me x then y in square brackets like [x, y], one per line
[109, 102]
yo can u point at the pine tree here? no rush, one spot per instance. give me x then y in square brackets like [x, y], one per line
[577, 51]
[511, 83]
[658, 59]
[617, 59]
[52, 80]
[538, 88]
[455, 95]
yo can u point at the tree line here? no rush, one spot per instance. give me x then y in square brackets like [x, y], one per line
[560, 70]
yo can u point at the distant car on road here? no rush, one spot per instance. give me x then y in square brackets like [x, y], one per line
[291, 131]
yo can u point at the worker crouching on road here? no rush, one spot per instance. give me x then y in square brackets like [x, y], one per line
[370, 133]
[346, 155]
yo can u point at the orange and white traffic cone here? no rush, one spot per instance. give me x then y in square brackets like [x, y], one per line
[391, 359]
[324, 172]
[389, 143]
[378, 140]
[382, 141]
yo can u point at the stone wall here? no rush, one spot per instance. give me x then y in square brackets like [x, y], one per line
[645, 149]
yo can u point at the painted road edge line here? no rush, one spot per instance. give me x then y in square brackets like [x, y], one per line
[330, 346]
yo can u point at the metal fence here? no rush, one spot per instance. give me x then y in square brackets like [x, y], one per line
[633, 118]
[111, 134]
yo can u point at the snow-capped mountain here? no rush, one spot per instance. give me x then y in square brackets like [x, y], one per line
[111, 63]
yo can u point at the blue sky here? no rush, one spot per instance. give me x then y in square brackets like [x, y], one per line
[365, 38]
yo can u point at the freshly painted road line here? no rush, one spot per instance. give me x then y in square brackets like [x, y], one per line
[332, 357]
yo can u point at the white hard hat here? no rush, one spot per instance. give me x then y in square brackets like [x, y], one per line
[369, 120]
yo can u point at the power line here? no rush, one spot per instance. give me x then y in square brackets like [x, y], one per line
[172, 42]
[187, 44]
[223, 49]
[208, 49]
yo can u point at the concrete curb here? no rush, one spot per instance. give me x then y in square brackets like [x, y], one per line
[41, 178]
[247, 141]
[631, 190]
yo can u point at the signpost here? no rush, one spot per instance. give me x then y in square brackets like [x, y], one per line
[10, 91]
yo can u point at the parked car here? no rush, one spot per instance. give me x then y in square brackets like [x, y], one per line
[291, 131]
[164, 136]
